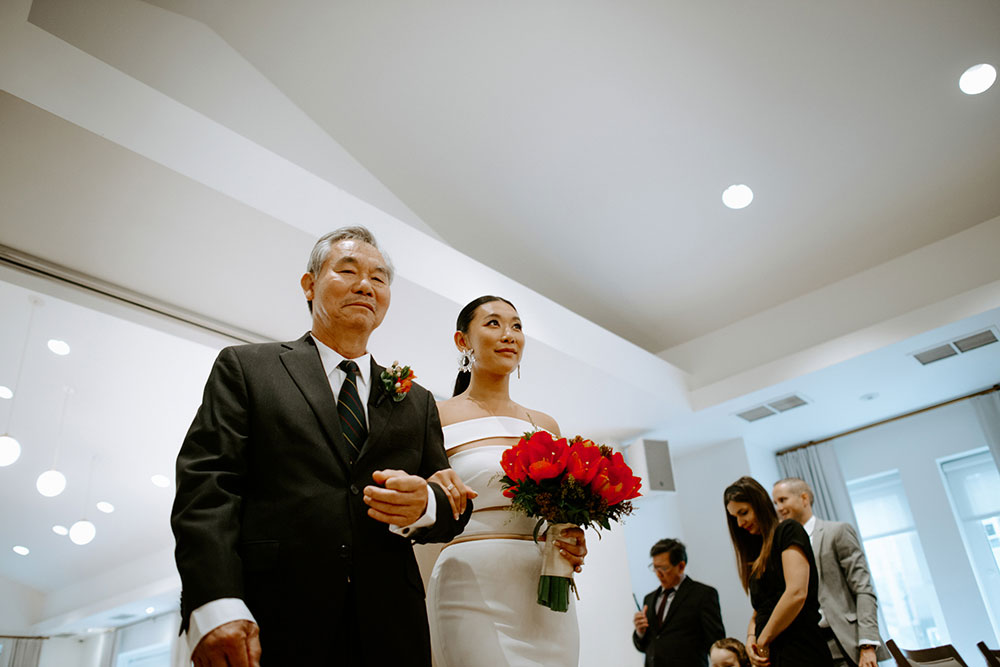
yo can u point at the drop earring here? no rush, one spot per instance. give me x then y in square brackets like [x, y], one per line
[519, 371]
[465, 361]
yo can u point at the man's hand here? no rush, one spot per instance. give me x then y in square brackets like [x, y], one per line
[574, 550]
[233, 644]
[867, 658]
[458, 493]
[640, 621]
[401, 502]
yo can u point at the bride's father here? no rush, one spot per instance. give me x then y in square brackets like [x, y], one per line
[301, 484]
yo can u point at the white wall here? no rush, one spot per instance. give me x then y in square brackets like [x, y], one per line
[73, 652]
[19, 607]
[913, 446]
[702, 475]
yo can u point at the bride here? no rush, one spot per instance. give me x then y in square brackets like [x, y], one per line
[482, 595]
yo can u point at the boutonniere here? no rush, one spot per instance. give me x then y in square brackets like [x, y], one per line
[398, 380]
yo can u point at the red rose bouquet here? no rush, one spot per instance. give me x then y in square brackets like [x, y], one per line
[565, 483]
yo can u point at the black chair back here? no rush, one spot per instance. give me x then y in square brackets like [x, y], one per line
[939, 656]
[992, 657]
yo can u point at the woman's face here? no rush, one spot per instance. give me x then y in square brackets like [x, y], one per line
[744, 515]
[495, 337]
[723, 657]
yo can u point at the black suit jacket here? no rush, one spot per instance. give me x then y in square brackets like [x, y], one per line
[692, 625]
[268, 510]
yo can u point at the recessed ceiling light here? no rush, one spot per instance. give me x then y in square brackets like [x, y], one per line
[977, 79]
[737, 196]
[5, 392]
[105, 507]
[82, 532]
[10, 450]
[59, 347]
[51, 483]
[22, 551]
[161, 481]
[60, 530]
[150, 610]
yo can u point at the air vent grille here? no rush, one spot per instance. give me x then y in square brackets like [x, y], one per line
[964, 344]
[975, 340]
[935, 354]
[786, 404]
[122, 617]
[754, 414]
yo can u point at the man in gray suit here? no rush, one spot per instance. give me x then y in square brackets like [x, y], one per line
[848, 607]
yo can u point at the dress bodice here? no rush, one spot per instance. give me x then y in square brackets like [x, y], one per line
[479, 468]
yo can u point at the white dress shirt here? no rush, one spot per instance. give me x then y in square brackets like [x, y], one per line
[664, 601]
[212, 614]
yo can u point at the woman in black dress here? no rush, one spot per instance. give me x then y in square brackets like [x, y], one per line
[777, 568]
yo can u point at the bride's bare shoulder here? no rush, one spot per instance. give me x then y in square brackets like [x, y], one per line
[542, 420]
[457, 409]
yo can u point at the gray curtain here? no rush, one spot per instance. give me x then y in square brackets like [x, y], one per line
[988, 411]
[819, 467]
[20, 652]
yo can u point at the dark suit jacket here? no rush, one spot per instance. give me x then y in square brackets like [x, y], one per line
[268, 510]
[692, 625]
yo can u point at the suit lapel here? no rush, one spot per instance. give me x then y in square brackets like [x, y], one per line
[682, 592]
[818, 534]
[302, 362]
[380, 407]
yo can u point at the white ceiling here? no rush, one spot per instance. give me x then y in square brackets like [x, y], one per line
[582, 147]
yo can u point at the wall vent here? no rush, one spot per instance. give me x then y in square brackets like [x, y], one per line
[772, 407]
[954, 348]
[122, 617]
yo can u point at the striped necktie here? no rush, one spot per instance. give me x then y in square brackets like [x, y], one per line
[352, 414]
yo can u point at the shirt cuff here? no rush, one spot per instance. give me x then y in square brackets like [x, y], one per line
[428, 519]
[211, 615]
[870, 642]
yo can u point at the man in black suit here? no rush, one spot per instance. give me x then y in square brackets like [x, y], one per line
[301, 484]
[680, 620]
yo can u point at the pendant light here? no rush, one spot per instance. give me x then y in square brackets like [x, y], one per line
[52, 482]
[10, 448]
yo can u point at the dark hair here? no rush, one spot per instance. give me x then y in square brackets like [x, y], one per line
[464, 320]
[736, 647]
[751, 550]
[674, 548]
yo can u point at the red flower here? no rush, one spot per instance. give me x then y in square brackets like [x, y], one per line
[583, 461]
[510, 492]
[614, 480]
[512, 465]
[542, 457]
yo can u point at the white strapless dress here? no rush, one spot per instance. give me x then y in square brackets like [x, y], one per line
[481, 600]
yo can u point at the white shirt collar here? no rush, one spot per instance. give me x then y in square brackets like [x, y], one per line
[331, 359]
[810, 526]
[683, 577]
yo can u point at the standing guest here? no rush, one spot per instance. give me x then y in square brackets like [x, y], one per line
[729, 652]
[848, 607]
[301, 483]
[776, 567]
[680, 619]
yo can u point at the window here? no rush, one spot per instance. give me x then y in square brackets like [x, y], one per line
[151, 656]
[902, 579]
[973, 485]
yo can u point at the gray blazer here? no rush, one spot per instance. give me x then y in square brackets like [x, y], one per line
[846, 594]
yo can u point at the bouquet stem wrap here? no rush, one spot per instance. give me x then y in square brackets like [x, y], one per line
[557, 573]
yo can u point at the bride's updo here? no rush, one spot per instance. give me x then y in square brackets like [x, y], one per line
[464, 320]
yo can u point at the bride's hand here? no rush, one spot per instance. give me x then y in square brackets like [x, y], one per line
[458, 493]
[575, 550]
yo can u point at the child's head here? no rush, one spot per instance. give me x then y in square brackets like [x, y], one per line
[729, 652]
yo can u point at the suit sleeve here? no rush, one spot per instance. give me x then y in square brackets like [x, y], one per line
[855, 568]
[711, 618]
[210, 471]
[445, 527]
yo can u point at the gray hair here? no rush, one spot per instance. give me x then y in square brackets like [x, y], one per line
[798, 486]
[321, 250]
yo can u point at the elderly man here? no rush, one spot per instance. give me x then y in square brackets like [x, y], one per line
[846, 598]
[301, 484]
[681, 619]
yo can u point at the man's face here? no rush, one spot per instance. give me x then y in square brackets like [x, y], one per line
[790, 505]
[668, 574]
[351, 290]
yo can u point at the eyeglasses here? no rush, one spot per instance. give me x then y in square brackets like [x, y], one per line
[660, 569]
